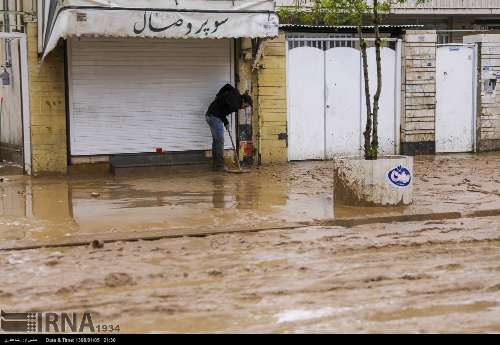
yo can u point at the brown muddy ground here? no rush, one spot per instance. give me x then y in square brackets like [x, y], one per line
[432, 276]
[35, 209]
[438, 276]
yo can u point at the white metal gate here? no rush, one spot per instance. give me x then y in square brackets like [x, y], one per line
[20, 81]
[326, 104]
[306, 134]
[455, 98]
[343, 101]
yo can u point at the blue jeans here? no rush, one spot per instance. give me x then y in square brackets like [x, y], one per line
[217, 129]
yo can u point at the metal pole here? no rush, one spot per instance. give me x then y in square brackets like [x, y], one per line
[6, 25]
[477, 96]
[23, 49]
[397, 99]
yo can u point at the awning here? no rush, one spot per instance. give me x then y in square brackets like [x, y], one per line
[156, 19]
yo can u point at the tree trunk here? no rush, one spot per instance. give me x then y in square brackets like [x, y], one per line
[376, 98]
[368, 130]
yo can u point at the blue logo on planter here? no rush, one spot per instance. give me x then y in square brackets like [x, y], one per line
[400, 176]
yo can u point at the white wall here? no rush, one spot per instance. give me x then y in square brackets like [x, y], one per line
[11, 116]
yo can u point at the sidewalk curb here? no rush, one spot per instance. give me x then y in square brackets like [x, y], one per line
[84, 240]
[349, 223]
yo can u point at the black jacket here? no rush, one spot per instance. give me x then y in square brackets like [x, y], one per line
[227, 101]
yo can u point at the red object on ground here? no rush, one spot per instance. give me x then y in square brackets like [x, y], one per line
[159, 150]
[247, 148]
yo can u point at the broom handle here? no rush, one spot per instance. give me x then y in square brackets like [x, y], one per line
[236, 155]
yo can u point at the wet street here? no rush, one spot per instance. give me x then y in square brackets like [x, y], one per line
[52, 209]
[439, 273]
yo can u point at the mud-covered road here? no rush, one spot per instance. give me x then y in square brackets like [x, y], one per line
[437, 276]
[423, 276]
[51, 209]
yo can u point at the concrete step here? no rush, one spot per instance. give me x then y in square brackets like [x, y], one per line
[158, 159]
[9, 168]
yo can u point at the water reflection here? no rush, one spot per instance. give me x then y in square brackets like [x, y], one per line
[30, 210]
[46, 208]
[218, 194]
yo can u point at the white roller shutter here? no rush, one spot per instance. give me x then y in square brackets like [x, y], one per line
[135, 95]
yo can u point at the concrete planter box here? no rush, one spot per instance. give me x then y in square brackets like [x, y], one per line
[387, 181]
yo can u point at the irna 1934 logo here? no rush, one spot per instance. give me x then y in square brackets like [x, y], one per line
[47, 322]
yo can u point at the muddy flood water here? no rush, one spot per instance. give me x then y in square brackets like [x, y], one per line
[51, 208]
[422, 276]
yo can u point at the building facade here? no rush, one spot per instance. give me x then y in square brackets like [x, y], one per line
[129, 84]
[445, 95]
[129, 87]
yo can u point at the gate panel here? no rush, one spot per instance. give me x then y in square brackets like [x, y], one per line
[343, 102]
[306, 123]
[326, 107]
[387, 110]
[454, 99]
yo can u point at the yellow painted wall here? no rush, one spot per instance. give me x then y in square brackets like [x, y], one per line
[48, 108]
[271, 106]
